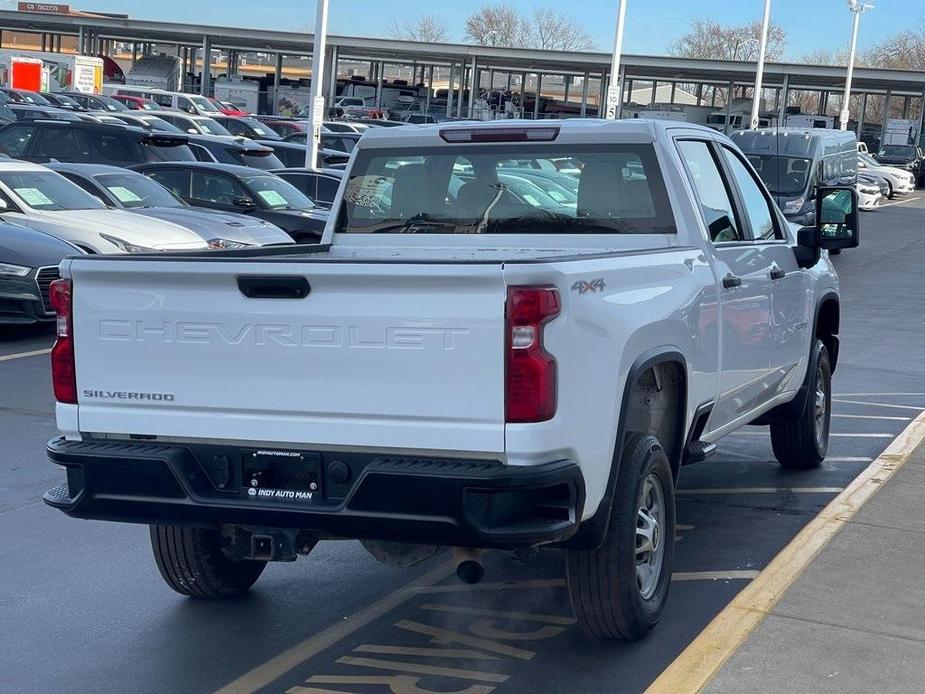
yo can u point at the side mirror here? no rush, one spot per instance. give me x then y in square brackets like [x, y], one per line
[3, 205]
[244, 202]
[191, 131]
[837, 218]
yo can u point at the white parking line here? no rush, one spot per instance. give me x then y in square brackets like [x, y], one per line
[762, 490]
[878, 404]
[869, 395]
[23, 355]
[900, 202]
[836, 435]
[713, 575]
[848, 460]
[873, 416]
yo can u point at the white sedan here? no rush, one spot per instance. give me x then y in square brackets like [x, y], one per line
[869, 196]
[900, 181]
[36, 197]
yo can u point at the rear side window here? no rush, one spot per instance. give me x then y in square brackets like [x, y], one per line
[327, 189]
[266, 162]
[176, 181]
[175, 153]
[15, 139]
[465, 189]
[115, 148]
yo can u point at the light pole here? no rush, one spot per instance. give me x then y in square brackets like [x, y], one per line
[759, 74]
[857, 9]
[615, 90]
[316, 113]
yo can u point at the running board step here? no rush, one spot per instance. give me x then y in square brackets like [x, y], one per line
[698, 451]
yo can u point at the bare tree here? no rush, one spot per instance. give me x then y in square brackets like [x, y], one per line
[497, 24]
[710, 40]
[427, 28]
[555, 31]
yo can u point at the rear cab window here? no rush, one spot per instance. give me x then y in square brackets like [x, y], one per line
[553, 188]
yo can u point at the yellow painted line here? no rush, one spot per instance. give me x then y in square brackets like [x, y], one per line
[762, 490]
[23, 355]
[423, 652]
[492, 585]
[714, 575]
[693, 670]
[420, 669]
[450, 636]
[276, 667]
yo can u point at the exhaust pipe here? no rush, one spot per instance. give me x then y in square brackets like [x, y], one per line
[469, 567]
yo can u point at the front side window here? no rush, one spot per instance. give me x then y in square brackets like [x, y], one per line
[464, 189]
[757, 207]
[63, 144]
[216, 188]
[48, 191]
[177, 181]
[115, 148]
[327, 189]
[15, 139]
[715, 201]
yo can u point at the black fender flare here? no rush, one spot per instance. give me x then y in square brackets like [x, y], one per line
[593, 531]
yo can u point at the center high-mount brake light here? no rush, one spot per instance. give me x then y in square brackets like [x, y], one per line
[530, 377]
[526, 134]
[63, 373]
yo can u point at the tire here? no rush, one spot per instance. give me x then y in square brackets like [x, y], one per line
[191, 562]
[891, 194]
[610, 597]
[802, 442]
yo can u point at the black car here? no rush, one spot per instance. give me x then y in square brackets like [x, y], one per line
[337, 142]
[61, 101]
[907, 157]
[233, 150]
[245, 190]
[319, 185]
[23, 96]
[90, 143]
[96, 102]
[292, 154]
[28, 264]
[34, 112]
[248, 127]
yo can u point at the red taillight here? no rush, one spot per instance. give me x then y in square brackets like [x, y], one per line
[63, 373]
[530, 388]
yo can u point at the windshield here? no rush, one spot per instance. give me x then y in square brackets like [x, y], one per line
[262, 131]
[137, 190]
[210, 126]
[112, 104]
[867, 159]
[277, 194]
[202, 103]
[48, 191]
[464, 189]
[156, 123]
[905, 151]
[782, 175]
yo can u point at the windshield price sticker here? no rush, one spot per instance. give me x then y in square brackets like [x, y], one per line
[123, 194]
[33, 197]
[272, 198]
[365, 191]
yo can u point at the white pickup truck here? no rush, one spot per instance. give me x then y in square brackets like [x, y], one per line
[511, 336]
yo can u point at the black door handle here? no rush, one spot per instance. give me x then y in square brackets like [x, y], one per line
[273, 287]
[731, 281]
[777, 274]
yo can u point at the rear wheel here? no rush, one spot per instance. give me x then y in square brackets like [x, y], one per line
[192, 562]
[619, 590]
[801, 442]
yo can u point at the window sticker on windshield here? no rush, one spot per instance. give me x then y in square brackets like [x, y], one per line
[33, 197]
[365, 191]
[272, 198]
[123, 194]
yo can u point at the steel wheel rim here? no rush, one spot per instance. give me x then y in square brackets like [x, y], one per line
[650, 540]
[820, 407]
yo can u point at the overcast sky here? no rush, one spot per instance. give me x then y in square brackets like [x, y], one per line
[651, 24]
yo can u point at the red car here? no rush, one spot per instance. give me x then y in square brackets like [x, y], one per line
[228, 108]
[285, 126]
[137, 103]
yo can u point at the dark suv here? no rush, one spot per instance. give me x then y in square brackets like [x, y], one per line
[90, 143]
[908, 157]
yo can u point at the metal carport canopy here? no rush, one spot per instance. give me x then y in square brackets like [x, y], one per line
[666, 68]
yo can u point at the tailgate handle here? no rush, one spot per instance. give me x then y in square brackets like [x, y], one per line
[273, 287]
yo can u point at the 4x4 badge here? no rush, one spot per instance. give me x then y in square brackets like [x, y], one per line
[595, 285]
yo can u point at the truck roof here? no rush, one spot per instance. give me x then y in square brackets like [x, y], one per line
[637, 128]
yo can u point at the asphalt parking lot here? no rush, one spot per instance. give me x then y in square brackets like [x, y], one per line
[84, 609]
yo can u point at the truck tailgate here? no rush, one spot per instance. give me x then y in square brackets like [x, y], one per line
[390, 355]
